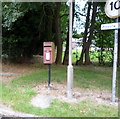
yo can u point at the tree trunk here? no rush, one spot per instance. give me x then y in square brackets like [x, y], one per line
[87, 56]
[66, 55]
[80, 61]
[58, 33]
[49, 22]
[101, 58]
[87, 43]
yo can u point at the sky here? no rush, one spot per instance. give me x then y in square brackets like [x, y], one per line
[77, 23]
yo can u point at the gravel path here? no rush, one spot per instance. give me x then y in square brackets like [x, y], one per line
[7, 74]
[7, 112]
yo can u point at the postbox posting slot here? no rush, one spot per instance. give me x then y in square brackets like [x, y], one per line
[47, 46]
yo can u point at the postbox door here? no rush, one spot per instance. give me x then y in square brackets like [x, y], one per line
[48, 56]
[48, 52]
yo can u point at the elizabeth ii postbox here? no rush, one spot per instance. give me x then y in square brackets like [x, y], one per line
[48, 52]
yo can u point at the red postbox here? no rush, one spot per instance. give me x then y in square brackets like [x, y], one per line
[48, 52]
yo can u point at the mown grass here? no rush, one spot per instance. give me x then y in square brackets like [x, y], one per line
[18, 93]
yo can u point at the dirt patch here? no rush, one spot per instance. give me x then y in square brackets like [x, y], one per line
[42, 101]
[16, 70]
[59, 91]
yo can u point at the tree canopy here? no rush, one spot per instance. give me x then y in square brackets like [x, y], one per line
[25, 26]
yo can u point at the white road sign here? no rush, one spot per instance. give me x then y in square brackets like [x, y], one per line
[110, 26]
[112, 8]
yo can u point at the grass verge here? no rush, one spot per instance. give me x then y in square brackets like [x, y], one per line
[18, 93]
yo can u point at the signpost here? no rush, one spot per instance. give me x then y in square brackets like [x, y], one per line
[115, 64]
[112, 10]
[110, 26]
[48, 57]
